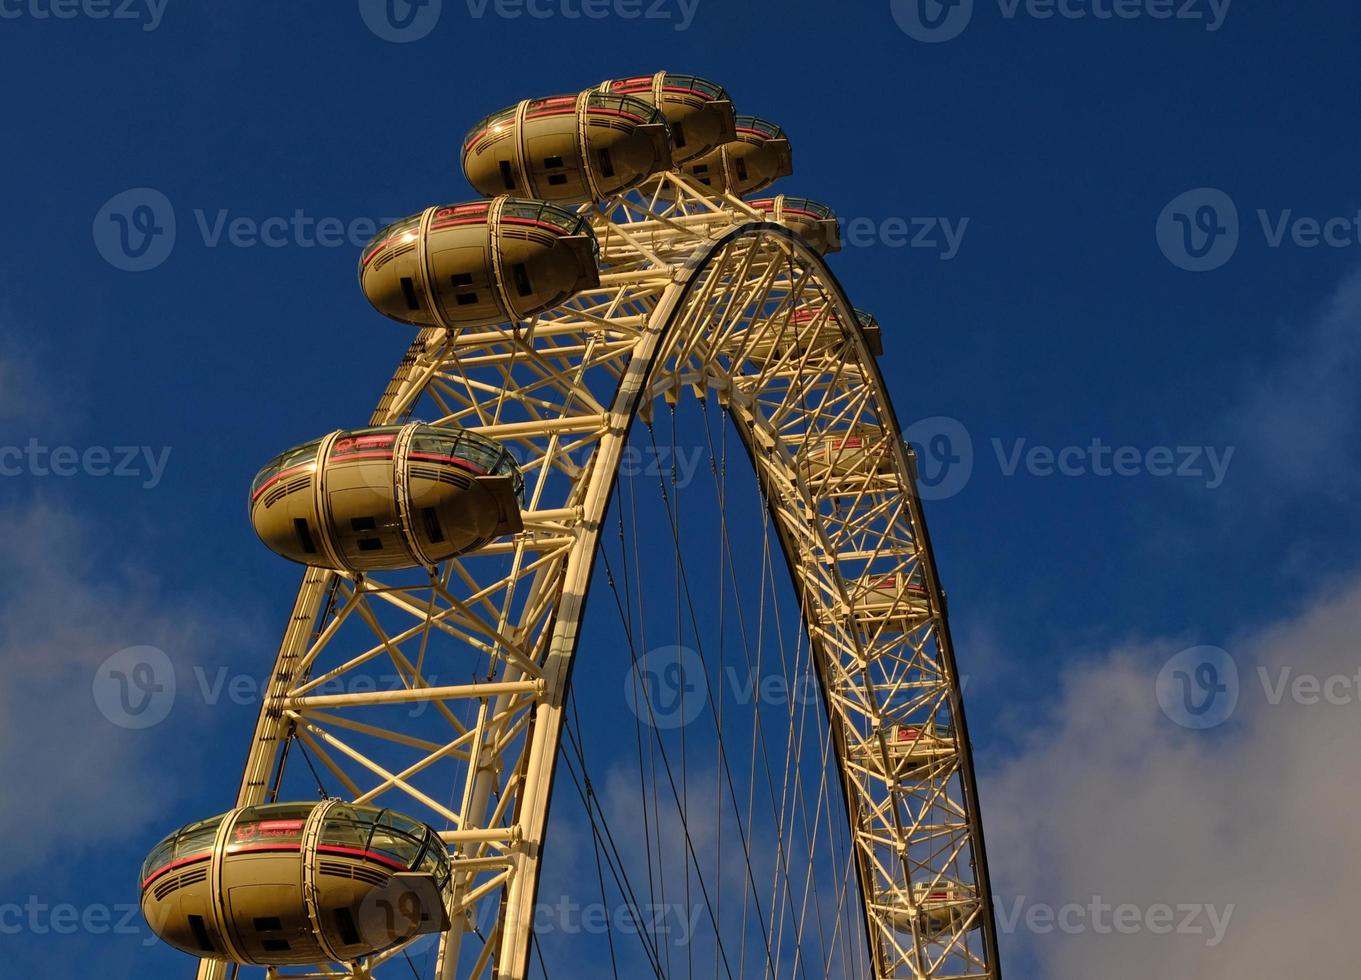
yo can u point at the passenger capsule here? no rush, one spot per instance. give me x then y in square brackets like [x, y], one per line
[853, 455]
[756, 159]
[387, 497]
[297, 883]
[464, 265]
[814, 222]
[898, 600]
[935, 908]
[699, 112]
[583, 147]
[798, 338]
[869, 329]
[910, 748]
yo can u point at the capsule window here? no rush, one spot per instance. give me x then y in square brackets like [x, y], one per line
[304, 535]
[370, 544]
[433, 531]
[409, 291]
[507, 175]
[678, 134]
[465, 299]
[521, 277]
[740, 166]
[363, 524]
[268, 923]
[349, 935]
[461, 279]
[606, 164]
[200, 932]
[553, 163]
[275, 945]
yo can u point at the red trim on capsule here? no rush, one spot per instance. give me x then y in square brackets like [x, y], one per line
[176, 864]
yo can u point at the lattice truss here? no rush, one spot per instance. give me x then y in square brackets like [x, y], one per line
[440, 691]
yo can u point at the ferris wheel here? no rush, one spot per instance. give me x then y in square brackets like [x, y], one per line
[420, 715]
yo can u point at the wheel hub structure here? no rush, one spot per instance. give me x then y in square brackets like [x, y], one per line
[698, 293]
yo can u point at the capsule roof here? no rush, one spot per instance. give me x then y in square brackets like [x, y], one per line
[483, 262]
[484, 453]
[669, 81]
[392, 836]
[581, 147]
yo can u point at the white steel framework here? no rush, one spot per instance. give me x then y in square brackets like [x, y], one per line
[696, 292]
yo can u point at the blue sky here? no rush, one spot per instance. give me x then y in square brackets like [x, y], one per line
[1058, 149]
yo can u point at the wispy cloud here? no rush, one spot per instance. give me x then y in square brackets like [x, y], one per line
[1301, 413]
[74, 777]
[1109, 800]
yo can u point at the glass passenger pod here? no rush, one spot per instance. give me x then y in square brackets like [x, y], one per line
[910, 748]
[481, 263]
[895, 597]
[808, 330]
[389, 497]
[568, 148]
[759, 156]
[699, 112]
[856, 454]
[932, 907]
[814, 222]
[297, 883]
[869, 329]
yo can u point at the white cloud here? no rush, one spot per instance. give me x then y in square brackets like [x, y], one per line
[1108, 798]
[1302, 412]
[73, 777]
